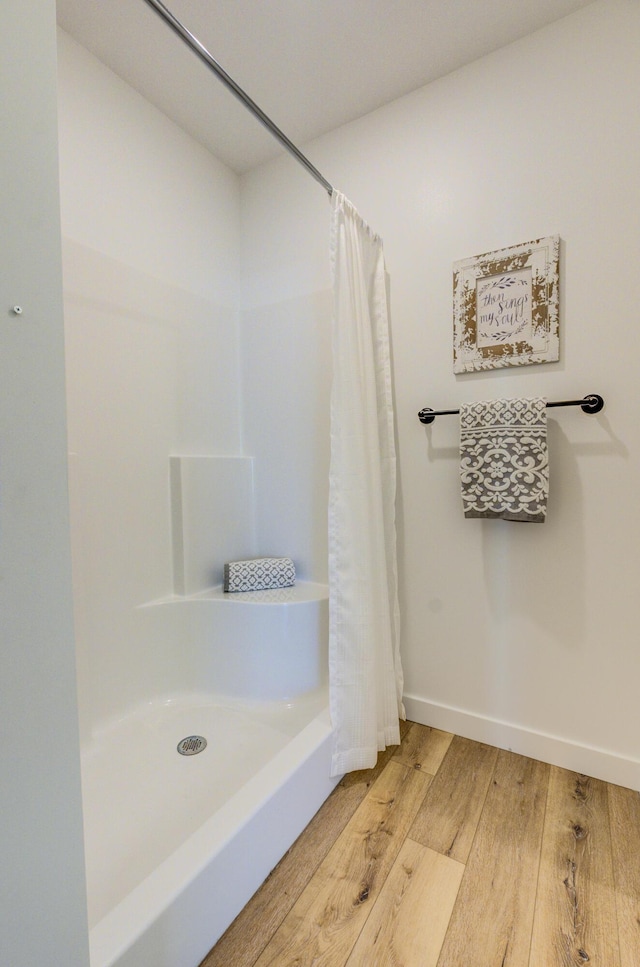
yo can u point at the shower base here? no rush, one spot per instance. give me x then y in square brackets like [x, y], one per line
[177, 844]
[144, 798]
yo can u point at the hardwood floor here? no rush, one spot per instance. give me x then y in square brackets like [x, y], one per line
[452, 854]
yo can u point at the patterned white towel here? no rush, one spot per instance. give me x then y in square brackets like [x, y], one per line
[504, 463]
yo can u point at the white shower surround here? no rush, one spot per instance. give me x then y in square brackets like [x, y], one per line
[164, 488]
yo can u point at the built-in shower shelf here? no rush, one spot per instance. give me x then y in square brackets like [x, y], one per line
[296, 594]
[299, 593]
[258, 645]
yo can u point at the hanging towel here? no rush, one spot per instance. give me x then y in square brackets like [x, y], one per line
[504, 464]
[259, 574]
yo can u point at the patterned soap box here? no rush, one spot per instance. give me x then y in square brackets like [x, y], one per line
[259, 574]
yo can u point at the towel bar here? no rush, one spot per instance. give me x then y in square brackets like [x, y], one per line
[590, 404]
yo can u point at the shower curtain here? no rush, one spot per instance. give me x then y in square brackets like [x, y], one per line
[365, 672]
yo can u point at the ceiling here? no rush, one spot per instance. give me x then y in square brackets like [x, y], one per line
[311, 65]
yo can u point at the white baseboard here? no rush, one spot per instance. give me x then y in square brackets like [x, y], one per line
[588, 761]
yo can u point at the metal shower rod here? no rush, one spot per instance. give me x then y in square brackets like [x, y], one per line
[229, 82]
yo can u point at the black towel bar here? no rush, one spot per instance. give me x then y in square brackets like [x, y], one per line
[590, 404]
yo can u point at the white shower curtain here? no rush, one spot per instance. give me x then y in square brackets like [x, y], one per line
[365, 673]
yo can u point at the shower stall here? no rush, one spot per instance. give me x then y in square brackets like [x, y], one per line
[185, 452]
[198, 417]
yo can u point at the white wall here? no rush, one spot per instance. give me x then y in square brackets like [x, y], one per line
[42, 897]
[150, 224]
[525, 636]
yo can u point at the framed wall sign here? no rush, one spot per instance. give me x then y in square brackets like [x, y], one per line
[505, 307]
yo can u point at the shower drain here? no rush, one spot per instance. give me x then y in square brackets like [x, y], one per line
[192, 745]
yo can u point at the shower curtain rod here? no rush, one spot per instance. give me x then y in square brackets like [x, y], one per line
[590, 404]
[229, 82]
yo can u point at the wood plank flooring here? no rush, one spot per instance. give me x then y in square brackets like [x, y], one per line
[451, 853]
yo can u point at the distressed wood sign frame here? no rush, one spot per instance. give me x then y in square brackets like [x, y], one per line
[505, 307]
